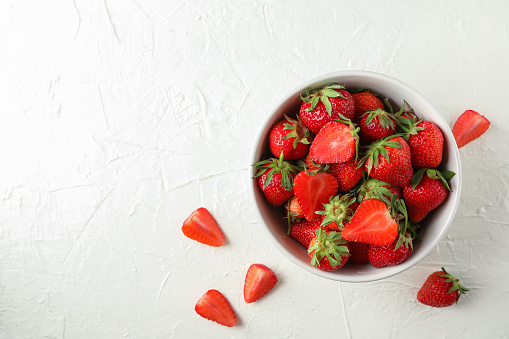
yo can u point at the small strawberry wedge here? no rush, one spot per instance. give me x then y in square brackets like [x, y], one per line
[372, 224]
[469, 126]
[335, 143]
[214, 306]
[312, 191]
[202, 227]
[259, 281]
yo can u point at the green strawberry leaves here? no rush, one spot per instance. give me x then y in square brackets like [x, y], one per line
[456, 286]
[275, 166]
[322, 95]
[378, 148]
[433, 174]
[298, 131]
[330, 245]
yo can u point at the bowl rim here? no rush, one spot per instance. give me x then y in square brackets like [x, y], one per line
[380, 273]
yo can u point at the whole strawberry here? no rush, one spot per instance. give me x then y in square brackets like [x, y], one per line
[440, 289]
[275, 179]
[293, 208]
[348, 174]
[426, 143]
[338, 212]
[304, 231]
[375, 125]
[389, 160]
[373, 188]
[328, 251]
[428, 190]
[390, 255]
[321, 106]
[290, 137]
[365, 101]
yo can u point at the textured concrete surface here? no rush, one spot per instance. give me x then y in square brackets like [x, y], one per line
[119, 118]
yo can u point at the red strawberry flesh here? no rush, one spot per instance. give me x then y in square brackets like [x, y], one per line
[372, 223]
[469, 126]
[335, 143]
[214, 306]
[312, 191]
[202, 227]
[259, 281]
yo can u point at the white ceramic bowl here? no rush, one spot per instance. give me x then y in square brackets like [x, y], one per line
[434, 227]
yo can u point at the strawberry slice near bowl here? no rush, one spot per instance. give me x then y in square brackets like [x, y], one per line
[314, 190]
[469, 126]
[214, 306]
[202, 227]
[259, 281]
[335, 143]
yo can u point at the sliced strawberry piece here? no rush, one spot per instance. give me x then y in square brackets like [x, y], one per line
[202, 227]
[312, 191]
[335, 143]
[372, 223]
[469, 126]
[214, 306]
[259, 281]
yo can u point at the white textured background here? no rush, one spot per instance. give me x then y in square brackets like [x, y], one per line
[120, 117]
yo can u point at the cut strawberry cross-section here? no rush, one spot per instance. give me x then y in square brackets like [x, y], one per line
[312, 191]
[202, 227]
[335, 143]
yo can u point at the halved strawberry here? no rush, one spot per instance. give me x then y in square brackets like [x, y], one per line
[259, 281]
[314, 190]
[303, 231]
[202, 227]
[372, 223]
[214, 306]
[469, 126]
[335, 143]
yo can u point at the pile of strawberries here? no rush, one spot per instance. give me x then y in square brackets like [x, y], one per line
[355, 176]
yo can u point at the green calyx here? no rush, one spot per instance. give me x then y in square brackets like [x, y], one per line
[377, 148]
[385, 119]
[443, 176]
[373, 188]
[274, 166]
[322, 95]
[298, 131]
[406, 230]
[337, 210]
[330, 245]
[456, 286]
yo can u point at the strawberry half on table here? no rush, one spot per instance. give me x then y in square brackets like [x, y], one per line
[202, 227]
[469, 126]
[275, 179]
[321, 106]
[214, 306]
[259, 281]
